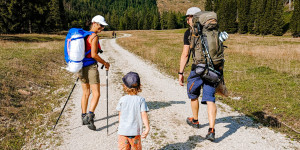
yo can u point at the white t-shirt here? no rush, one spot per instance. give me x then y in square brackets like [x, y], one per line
[131, 123]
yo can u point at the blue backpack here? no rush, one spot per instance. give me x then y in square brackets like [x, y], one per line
[78, 34]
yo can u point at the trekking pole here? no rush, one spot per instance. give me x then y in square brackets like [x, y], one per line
[107, 101]
[65, 104]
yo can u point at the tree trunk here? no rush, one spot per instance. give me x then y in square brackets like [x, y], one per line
[29, 27]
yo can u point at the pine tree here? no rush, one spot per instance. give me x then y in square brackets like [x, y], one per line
[121, 24]
[11, 16]
[147, 21]
[171, 21]
[257, 11]
[227, 13]
[114, 20]
[252, 23]
[163, 20]
[208, 5]
[295, 23]
[155, 23]
[54, 19]
[278, 22]
[267, 20]
[243, 15]
[180, 20]
[216, 5]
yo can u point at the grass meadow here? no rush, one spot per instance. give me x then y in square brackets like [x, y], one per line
[32, 85]
[263, 71]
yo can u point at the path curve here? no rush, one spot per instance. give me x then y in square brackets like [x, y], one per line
[169, 107]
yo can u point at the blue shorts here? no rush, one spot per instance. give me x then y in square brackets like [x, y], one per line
[194, 84]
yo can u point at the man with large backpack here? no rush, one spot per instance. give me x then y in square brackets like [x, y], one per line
[202, 41]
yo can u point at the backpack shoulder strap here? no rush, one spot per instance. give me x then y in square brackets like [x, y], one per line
[193, 41]
[93, 35]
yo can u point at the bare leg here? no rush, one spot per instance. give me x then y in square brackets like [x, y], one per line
[195, 108]
[96, 95]
[212, 113]
[85, 96]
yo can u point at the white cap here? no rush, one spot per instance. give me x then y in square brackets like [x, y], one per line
[100, 20]
[192, 11]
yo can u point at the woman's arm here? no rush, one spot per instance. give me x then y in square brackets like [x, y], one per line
[94, 51]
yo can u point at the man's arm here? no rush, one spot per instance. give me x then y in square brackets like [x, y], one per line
[183, 59]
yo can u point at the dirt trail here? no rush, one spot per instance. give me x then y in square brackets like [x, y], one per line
[169, 107]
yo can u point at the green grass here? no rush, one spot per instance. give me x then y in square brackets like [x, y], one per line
[263, 71]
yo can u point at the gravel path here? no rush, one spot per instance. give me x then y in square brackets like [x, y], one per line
[169, 107]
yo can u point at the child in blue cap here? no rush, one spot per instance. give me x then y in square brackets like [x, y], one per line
[132, 114]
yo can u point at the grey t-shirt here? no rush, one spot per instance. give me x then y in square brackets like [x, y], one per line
[131, 123]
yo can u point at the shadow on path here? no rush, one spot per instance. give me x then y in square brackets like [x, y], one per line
[233, 124]
[111, 116]
[190, 144]
[160, 104]
[104, 127]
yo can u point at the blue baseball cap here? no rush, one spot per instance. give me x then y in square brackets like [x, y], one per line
[131, 80]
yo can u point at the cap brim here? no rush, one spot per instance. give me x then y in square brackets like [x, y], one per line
[104, 23]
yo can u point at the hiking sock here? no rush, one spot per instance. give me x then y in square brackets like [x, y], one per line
[90, 112]
[212, 130]
[194, 121]
[83, 115]
[211, 134]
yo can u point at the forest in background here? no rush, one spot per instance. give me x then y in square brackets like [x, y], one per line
[235, 16]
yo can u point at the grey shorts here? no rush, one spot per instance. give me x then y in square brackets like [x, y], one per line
[89, 74]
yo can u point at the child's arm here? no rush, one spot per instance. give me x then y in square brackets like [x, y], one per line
[119, 115]
[146, 123]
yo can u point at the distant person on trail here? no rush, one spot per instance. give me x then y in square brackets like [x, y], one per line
[113, 34]
[196, 82]
[89, 75]
[132, 114]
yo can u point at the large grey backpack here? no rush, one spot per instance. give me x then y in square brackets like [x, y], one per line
[205, 23]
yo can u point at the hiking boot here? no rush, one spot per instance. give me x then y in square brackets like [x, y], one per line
[85, 120]
[211, 134]
[190, 121]
[91, 117]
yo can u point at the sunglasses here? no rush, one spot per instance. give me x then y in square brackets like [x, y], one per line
[100, 24]
[189, 16]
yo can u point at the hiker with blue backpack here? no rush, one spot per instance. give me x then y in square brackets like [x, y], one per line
[81, 55]
[205, 43]
[89, 75]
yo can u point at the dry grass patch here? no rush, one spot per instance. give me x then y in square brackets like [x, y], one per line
[31, 86]
[279, 53]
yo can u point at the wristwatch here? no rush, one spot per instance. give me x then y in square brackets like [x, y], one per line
[180, 73]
